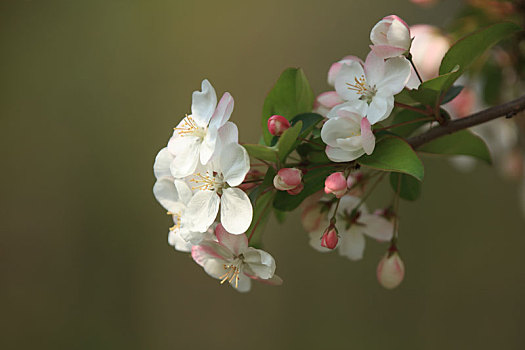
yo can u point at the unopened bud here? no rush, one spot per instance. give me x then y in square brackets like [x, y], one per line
[336, 184]
[277, 124]
[330, 238]
[390, 270]
[296, 190]
[287, 179]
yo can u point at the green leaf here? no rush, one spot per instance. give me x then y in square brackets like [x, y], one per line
[394, 154]
[463, 142]
[430, 91]
[261, 213]
[405, 98]
[466, 50]
[261, 152]
[410, 188]
[313, 182]
[405, 116]
[290, 96]
[288, 139]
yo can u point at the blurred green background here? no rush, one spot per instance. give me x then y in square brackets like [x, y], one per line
[89, 92]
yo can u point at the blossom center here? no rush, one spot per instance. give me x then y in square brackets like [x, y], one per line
[208, 182]
[189, 127]
[232, 271]
[362, 88]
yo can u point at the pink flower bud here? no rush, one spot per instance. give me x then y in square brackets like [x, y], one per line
[296, 190]
[287, 179]
[391, 37]
[336, 184]
[277, 124]
[330, 238]
[390, 270]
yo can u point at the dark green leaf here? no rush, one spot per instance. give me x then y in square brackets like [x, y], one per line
[290, 96]
[394, 154]
[410, 188]
[452, 93]
[466, 50]
[309, 120]
[463, 142]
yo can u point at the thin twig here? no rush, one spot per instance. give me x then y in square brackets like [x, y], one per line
[412, 108]
[508, 110]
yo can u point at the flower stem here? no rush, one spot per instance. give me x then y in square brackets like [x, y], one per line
[404, 123]
[415, 109]
[409, 57]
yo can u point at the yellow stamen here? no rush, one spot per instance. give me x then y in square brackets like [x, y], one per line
[189, 127]
[360, 85]
[208, 182]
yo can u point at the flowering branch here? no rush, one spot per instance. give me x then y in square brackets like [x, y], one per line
[508, 110]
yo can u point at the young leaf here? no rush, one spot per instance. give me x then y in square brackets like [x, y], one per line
[291, 95]
[313, 182]
[465, 51]
[288, 139]
[410, 188]
[463, 142]
[261, 152]
[309, 120]
[394, 154]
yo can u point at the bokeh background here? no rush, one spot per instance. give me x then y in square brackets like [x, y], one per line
[89, 92]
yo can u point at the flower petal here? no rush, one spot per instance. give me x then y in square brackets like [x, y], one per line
[203, 103]
[259, 262]
[336, 154]
[315, 241]
[161, 167]
[183, 191]
[368, 139]
[236, 211]
[387, 51]
[208, 145]
[397, 73]
[380, 108]
[223, 111]
[244, 284]
[339, 128]
[377, 227]
[348, 73]
[228, 133]
[352, 244]
[175, 240]
[236, 243]
[186, 158]
[374, 68]
[201, 211]
[166, 194]
[234, 163]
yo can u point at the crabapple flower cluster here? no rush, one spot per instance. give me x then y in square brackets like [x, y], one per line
[198, 175]
[324, 155]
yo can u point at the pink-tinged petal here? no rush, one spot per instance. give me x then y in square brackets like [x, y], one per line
[223, 111]
[395, 18]
[274, 281]
[367, 136]
[387, 51]
[328, 99]
[236, 243]
[203, 103]
[333, 71]
[399, 33]
[209, 250]
[374, 68]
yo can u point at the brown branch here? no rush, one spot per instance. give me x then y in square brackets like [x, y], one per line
[508, 109]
